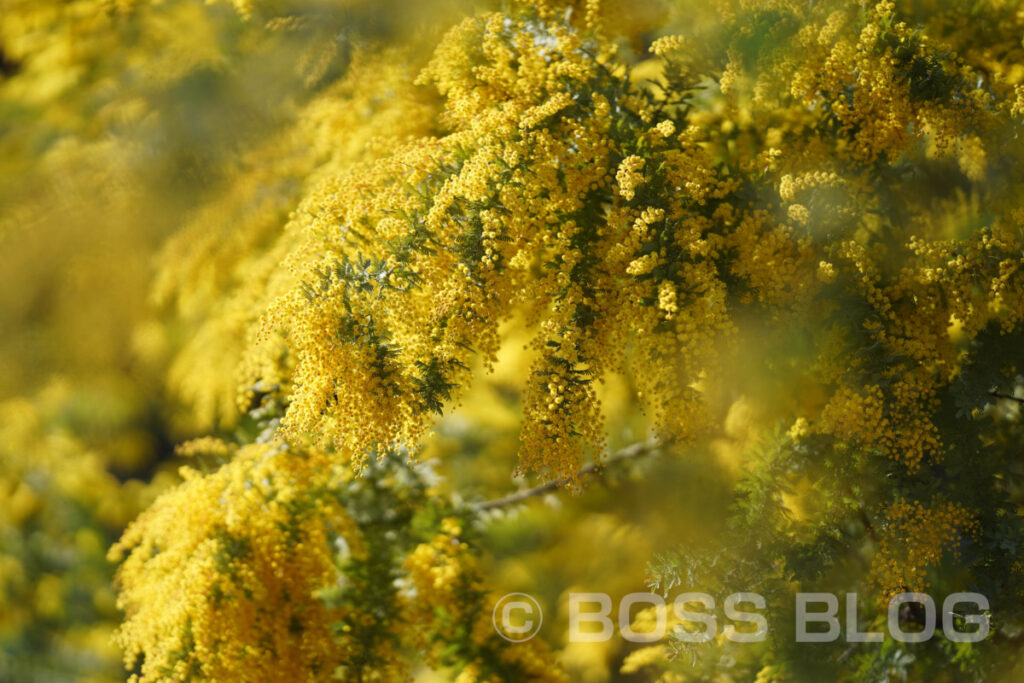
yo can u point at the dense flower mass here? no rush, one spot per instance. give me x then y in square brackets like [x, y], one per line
[634, 227]
[279, 561]
[781, 240]
[637, 226]
[222, 571]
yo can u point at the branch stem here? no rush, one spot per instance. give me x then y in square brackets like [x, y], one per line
[1008, 397]
[630, 452]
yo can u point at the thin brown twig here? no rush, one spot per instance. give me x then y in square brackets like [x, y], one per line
[1008, 397]
[868, 526]
[846, 653]
[629, 452]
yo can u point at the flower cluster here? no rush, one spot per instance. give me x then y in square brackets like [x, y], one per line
[448, 599]
[219, 575]
[914, 539]
[816, 202]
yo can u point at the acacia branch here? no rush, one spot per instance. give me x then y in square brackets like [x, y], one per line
[868, 526]
[1008, 397]
[630, 452]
